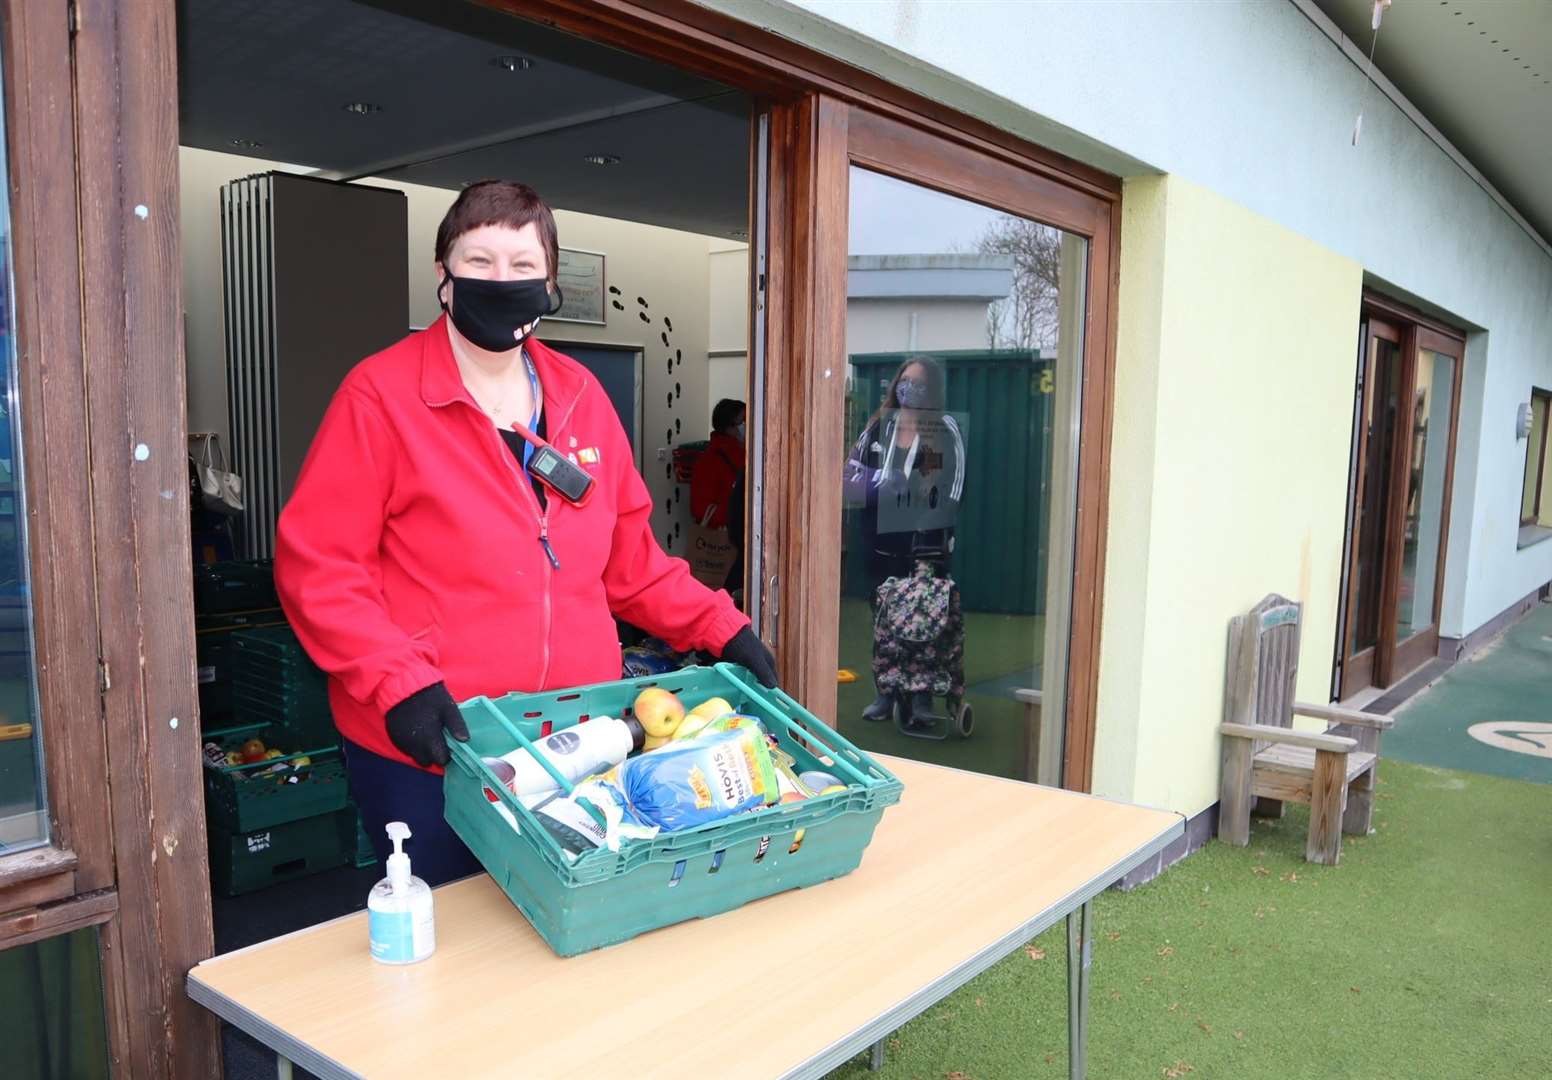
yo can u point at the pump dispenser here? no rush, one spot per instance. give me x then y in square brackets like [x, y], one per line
[400, 921]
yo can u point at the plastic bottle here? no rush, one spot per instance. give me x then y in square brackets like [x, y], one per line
[576, 752]
[400, 920]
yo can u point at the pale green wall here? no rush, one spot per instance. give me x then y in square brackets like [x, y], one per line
[1233, 421]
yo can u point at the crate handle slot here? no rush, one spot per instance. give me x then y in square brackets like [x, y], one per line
[678, 873]
[716, 861]
[797, 731]
[765, 845]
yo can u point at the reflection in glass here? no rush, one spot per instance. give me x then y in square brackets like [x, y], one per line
[52, 1022]
[1535, 460]
[1431, 406]
[964, 337]
[1384, 375]
[23, 818]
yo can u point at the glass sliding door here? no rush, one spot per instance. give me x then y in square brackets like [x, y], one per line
[1400, 513]
[964, 360]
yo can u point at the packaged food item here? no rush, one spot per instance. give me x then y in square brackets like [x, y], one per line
[706, 779]
[603, 793]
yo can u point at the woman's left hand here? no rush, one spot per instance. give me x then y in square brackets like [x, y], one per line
[747, 650]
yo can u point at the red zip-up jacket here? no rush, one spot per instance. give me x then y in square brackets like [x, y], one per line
[412, 550]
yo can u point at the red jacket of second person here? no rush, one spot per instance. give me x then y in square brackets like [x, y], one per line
[410, 551]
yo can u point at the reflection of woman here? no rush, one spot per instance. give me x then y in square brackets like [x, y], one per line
[421, 562]
[906, 472]
[715, 480]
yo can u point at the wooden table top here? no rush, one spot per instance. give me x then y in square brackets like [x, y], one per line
[962, 862]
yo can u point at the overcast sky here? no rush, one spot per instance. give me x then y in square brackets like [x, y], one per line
[893, 217]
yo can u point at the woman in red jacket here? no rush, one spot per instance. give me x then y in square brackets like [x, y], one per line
[716, 476]
[421, 563]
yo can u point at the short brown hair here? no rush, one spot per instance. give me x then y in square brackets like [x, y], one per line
[499, 202]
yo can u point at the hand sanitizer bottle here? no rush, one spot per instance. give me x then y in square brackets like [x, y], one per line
[400, 921]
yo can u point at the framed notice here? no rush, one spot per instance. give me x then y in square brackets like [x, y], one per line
[581, 279]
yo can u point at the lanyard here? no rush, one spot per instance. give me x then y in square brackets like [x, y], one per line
[538, 400]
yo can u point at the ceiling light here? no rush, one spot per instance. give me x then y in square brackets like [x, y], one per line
[246, 144]
[362, 108]
[513, 63]
[601, 159]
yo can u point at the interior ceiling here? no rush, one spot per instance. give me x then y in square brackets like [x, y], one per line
[280, 73]
[1481, 72]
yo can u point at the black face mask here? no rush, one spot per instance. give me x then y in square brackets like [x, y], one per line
[490, 313]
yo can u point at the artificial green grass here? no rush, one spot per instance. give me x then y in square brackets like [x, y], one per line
[1426, 953]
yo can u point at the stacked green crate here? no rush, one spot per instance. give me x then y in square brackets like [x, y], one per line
[228, 597]
[275, 682]
[213, 645]
[268, 828]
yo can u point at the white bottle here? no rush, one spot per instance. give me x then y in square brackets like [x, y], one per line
[576, 752]
[400, 921]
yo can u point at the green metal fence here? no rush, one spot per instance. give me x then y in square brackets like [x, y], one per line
[1003, 401]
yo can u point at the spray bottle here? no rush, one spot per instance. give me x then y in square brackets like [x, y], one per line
[400, 921]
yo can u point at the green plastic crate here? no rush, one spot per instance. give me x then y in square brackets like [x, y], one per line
[606, 897]
[276, 682]
[239, 799]
[239, 585]
[217, 657]
[243, 862]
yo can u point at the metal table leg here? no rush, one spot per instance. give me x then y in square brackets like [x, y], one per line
[876, 1059]
[282, 1068]
[1080, 954]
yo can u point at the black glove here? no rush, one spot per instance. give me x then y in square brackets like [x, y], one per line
[415, 725]
[749, 651]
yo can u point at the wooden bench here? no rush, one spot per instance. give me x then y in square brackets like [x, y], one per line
[1267, 763]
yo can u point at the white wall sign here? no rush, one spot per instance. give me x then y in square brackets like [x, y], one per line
[581, 280]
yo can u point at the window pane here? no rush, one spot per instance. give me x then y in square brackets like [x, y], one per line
[1423, 530]
[1384, 376]
[964, 336]
[1534, 457]
[23, 819]
[52, 1019]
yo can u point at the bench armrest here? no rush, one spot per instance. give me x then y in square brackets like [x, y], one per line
[1313, 740]
[1344, 716]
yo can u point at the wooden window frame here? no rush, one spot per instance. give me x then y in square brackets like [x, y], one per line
[1541, 452]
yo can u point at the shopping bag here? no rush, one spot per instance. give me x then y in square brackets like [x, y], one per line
[711, 554]
[220, 489]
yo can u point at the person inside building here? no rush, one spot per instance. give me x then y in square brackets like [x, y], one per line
[906, 476]
[424, 558]
[718, 477]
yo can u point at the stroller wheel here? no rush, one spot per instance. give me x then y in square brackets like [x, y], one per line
[964, 720]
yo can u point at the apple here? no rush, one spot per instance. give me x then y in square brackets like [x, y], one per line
[233, 757]
[652, 742]
[272, 754]
[253, 746]
[793, 796]
[250, 756]
[659, 711]
[297, 763]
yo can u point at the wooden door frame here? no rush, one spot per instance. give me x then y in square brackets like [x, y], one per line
[91, 109]
[1414, 651]
[825, 113]
[1389, 659]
